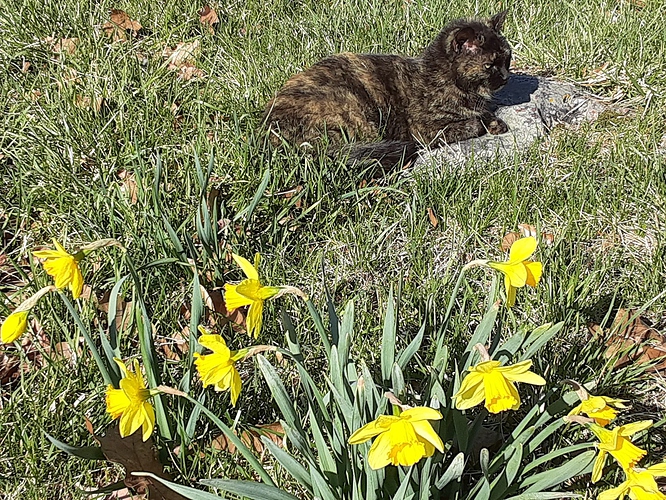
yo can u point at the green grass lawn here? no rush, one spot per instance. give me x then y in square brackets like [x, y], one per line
[82, 133]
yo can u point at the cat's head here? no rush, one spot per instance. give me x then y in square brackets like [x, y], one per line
[476, 52]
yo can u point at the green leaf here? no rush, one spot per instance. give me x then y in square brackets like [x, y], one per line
[401, 493]
[247, 211]
[556, 453]
[323, 334]
[87, 452]
[538, 338]
[545, 495]
[345, 335]
[553, 477]
[481, 336]
[321, 486]
[453, 472]
[291, 465]
[326, 460]
[388, 340]
[484, 457]
[279, 392]
[398, 380]
[406, 355]
[249, 489]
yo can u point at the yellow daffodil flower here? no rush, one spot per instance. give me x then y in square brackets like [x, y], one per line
[615, 441]
[130, 402]
[249, 292]
[639, 485]
[518, 271]
[64, 267]
[494, 383]
[403, 439]
[14, 326]
[219, 367]
[16, 323]
[598, 408]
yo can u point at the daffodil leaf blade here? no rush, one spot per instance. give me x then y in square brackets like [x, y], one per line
[345, 335]
[321, 486]
[388, 339]
[86, 452]
[401, 493]
[545, 495]
[580, 464]
[555, 454]
[408, 353]
[249, 210]
[249, 489]
[480, 336]
[326, 460]
[292, 466]
[453, 472]
[279, 392]
[539, 338]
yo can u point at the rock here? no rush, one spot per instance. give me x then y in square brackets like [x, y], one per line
[531, 106]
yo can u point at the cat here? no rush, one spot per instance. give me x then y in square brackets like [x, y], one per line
[389, 106]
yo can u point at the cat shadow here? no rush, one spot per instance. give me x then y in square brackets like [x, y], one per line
[518, 90]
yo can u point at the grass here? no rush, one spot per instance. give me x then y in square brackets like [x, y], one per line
[600, 189]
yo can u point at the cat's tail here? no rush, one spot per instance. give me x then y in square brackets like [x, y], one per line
[389, 154]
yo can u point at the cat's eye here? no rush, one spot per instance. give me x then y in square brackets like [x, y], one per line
[488, 65]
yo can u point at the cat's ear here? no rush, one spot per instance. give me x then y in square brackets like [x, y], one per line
[467, 40]
[497, 21]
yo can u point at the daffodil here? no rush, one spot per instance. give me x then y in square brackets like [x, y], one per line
[64, 267]
[14, 326]
[130, 402]
[598, 408]
[249, 292]
[518, 271]
[219, 368]
[401, 440]
[639, 485]
[615, 441]
[16, 323]
[494, 383]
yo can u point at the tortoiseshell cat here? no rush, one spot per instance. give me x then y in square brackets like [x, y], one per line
[390, 105]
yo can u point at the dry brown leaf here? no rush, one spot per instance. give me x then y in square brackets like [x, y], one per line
[633, 339]
[214, 302]
[176, 347]
[128, 185]
[208, 17]
[525, 231]
[252, 438]
[182, 60]
[432, 217]
[120, 26]
[85, 102]
[64, 351]
[135, 455]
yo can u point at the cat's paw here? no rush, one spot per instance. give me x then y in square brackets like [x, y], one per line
[496, 126]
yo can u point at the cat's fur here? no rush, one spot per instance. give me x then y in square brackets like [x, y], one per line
[390, 105]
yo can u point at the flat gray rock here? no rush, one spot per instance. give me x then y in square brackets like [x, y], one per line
[531, 106]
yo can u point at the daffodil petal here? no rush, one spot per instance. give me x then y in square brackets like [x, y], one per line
[254, 318]
[371, 429]
[598, 467]
[235, 386]
[379, 454]
[233, 299]
[148, 420]
[612, 493]
[510, 292]
[420, 413]
[522, 249]
[534, 271]
[425, 430]
[658, 470]
[246, 266]
[629, 430]
[471, 392]
[215, 343]
[76, 285]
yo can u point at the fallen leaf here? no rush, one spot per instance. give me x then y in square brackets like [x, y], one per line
[434, 221]
[66, 45]
[85, 102]
[208, 17]
[182, 59]
[135, 455]
[128, 185]
[525, 231]
[635, 341]
[214, 302]
[64, 351]
[252, 438]
[120, 26]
